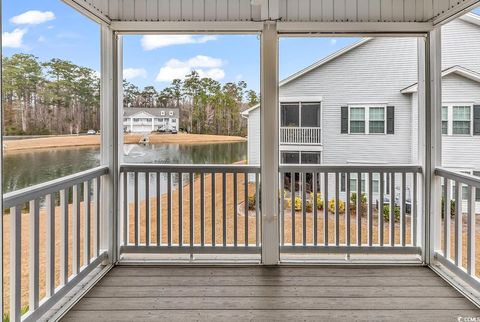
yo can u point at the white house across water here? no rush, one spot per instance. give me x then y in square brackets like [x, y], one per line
[146, 120]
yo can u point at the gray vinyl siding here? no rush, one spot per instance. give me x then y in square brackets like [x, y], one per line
[461, 45]
[363, 75]
[460, 151]
[254, 136]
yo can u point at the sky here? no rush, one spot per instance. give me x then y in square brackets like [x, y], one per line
[51, 29]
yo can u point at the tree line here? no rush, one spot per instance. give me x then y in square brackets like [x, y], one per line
[206, 105]
[60, 97]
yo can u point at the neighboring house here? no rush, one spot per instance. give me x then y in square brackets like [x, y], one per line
[146, 120]
[334, 111]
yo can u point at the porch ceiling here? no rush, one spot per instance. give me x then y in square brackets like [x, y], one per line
[384, 11]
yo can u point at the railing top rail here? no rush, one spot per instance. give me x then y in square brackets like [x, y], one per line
[300, 127]
[21, 196]
[191, 168]
[351, 168]
[458, 176]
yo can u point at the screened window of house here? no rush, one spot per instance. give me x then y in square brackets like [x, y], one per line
[357, 120]
[461, 120]
[136, 120]
[377, 120]
[353, 182]
[290, 114]
[290, 157]
[310, 158]
[310, 114]
[444, 119]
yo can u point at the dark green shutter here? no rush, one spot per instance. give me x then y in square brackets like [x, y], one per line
[344, 121]
[476, 120]
[390, 119]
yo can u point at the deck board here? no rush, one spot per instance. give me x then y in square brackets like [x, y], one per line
[287, 293]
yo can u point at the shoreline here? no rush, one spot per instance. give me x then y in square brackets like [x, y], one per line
[51, 142]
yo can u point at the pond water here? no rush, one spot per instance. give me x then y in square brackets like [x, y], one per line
[25, 169]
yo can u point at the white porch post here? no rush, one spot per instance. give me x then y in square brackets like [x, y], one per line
[269, 144]
[433, 143]
[111, 49]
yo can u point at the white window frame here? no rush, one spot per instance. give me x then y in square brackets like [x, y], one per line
[367, 118]
[450, 118]
[300, 125]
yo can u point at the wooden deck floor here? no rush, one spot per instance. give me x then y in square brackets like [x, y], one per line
[185, 293]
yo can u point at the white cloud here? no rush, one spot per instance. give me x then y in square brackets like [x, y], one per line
[13, 39]
[150, 42]
[130, 73]
[205, 66]
[33, 17]
[41, 39]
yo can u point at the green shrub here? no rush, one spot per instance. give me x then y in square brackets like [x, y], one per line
[363, 198]
[452, 208]
[341, 206]
[308, 205]
[252, 201]
[319, 200]
[298, 204]
[23, 310]
[386, 213]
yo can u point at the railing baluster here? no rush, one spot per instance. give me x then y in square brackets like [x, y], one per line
[446, 218]
[370, 209]
[15, 263]
[147, 208]
[292, 189]
[34, 254]
[169, 208]
[471, 232]
[414, 210]
[86, 231]
[392, 209]
[403, 210]
[180, 209]
[202, 209]
[235, 213]
[358, 210]
[125, 209]
[136, 201]
[458, 223]
[213, 209]
[245, 177]
[337, 208]
[303, 178]
[315, 205]
[347, 209]
[76, 230]
[224, 208]
[50, 246]
[96, 217]
[159, 209]
[257, 210]
[325, 211]
[64, 237]
[380, 209]
[191, 208]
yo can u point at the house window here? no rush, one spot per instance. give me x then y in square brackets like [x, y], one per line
[295, 157]
[461, 120]
[136, 120]
[377, 120]
[457, 119]
[357, 120]
[174, 120]
[353, 182]
[445, 120]
[301, 114]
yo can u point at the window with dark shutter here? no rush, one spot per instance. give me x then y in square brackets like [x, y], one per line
[476, 119]
[344, 119]
[390, 119]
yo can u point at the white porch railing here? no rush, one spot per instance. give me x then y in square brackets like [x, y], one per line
[316, 216]
[300, 135]
[47, 211]
[456, 249]
[190, 209]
